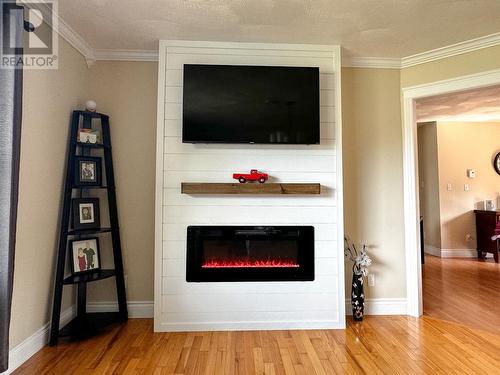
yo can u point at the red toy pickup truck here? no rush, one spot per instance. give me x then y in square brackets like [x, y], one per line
[254, 175]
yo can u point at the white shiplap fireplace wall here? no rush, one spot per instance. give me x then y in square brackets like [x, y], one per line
[186, 306]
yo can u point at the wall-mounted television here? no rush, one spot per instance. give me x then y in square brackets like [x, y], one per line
[250, 104]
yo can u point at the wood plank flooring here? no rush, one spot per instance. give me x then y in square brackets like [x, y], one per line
[463, 290]
[455, 290]
[378, 345]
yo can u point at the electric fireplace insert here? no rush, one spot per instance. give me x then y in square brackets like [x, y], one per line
[250, 253]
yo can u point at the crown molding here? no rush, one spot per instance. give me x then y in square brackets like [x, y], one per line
[91, 55]
[452, 50]
[372, 62]
[76, 40]
[64, 30]
[126, 55]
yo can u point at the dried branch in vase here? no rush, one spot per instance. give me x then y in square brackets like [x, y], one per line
[360, 259]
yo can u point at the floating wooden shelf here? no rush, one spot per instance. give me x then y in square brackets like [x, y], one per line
[249, 188]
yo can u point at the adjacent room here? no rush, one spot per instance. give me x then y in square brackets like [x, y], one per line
[249, 187]
[459, 193]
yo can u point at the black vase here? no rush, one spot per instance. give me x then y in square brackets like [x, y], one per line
[357, 297]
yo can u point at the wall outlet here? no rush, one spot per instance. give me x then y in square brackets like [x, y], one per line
[125, 280]
[448, 187]
[371, 279]
[468, 237]
[466, 187]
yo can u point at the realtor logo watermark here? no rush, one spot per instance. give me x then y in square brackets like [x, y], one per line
[38, 40]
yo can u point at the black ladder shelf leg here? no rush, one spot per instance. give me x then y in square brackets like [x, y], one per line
[63, 233]
[113, 217]
[85, 324]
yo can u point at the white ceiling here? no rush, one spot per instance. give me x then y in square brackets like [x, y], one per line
[364, 28]
[474, 105]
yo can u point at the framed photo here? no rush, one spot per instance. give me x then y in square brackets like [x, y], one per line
[89, 136]
[86, 214]
[85, 255]
[88, 171]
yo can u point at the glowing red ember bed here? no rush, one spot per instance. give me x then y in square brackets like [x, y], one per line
[270, 263]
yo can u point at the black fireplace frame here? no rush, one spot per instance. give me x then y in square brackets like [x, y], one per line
[304, 235]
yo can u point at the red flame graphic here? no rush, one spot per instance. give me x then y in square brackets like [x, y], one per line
[249, 263]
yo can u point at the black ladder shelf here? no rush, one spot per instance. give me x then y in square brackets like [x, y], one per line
[86, 324]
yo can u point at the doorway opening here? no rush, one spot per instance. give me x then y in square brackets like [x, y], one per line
[411, 95]
[458, 139]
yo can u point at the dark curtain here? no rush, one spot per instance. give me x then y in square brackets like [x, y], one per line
[10, 137]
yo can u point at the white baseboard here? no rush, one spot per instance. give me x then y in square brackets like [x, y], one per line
[381, 306]
[23, 351]
[432, 250]
[458, 253]
[136, 309]
[452, 253]
[248, 326]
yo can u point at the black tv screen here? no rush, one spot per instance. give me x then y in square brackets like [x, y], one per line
[250, 104]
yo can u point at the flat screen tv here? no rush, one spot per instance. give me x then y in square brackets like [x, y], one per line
[250, 104]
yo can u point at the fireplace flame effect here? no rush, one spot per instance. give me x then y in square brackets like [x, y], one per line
[250, 263]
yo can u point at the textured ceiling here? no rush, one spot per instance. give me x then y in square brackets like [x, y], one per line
[473, 105]
[367, 28]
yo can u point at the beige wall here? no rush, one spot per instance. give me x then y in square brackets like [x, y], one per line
[373, 183]
[428, 175]
[127, 92]
[373, 159]
[49, 97]
[462, 146]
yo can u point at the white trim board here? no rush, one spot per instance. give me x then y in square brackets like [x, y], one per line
[31, 345]
[151, 55]
[381, 306]
[125, 55]
[371, 62]
[160, 134]
[65, 31]
[248, 326]
[337, 55]
[410, 173]
[451, 50]
[451, 253]
[459, 253]
[92, 54]
[432, 250]
[136, 309]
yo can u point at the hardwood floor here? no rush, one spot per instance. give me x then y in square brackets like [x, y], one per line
[389, 345]
[463, 290]
[455, 290]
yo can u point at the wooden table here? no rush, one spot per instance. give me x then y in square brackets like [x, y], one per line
[486, 222]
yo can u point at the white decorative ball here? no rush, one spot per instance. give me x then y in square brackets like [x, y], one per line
[90, 105]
